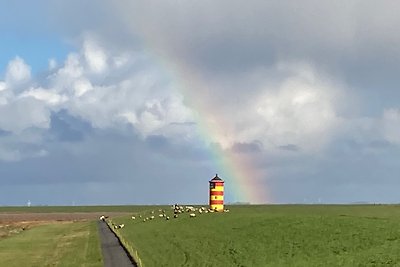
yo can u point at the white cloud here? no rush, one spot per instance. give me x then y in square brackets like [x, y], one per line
[301, 112]
[48, 96]
[290, 104]
[95, 56]
[17, 71]
[136, 92]
[3, 86]
[23, 113]
[81, 86]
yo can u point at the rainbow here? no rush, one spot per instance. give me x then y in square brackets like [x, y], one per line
[244, 183]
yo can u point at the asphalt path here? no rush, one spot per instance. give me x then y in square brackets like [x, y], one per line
[114, 254]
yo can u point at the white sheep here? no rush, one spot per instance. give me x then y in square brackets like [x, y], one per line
[133, 218]
[192, 215]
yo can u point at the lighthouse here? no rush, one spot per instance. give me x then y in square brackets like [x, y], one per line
[216, 193]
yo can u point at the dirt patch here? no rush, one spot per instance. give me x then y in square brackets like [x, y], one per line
[22, 217]
[15, 222]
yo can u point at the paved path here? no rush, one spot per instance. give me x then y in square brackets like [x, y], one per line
[114, 254]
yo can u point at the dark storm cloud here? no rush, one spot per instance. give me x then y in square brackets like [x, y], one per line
[178, 150]
[289, 147]
[111, 164]
[64, 127]
[4, 133]
[247, 147]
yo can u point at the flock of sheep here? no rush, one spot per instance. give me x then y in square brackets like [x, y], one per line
[177, 210]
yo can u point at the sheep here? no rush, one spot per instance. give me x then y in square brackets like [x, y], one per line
[226, 210]
[190, 209]
[175, 216]
[167, 218]
[133, 218]
[192, 215]
[161, 215]
[152, 217]
[102, 218]
[200, 211]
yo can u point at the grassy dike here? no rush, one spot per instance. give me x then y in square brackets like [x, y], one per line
[56, 244]
[287, 235]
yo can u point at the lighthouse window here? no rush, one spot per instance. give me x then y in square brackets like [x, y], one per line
[212, 185]
[215, 197]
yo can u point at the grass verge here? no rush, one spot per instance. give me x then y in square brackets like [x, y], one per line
[57, 244]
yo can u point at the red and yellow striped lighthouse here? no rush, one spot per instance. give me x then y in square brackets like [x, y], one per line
[217, 194]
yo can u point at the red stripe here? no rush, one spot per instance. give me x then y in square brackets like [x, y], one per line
[217, 183]
[216, 202]
[217, 193]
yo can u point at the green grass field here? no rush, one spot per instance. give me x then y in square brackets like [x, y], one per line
[276, 235]
[57, 244]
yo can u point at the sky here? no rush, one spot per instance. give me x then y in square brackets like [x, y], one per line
[143, 102]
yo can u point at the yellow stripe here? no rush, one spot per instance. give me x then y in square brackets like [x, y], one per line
[217, 188]
[219, 207]
[217, 197]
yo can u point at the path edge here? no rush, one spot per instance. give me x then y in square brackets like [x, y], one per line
[135, 262]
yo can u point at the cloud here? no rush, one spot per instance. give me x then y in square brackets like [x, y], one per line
[246, 147]
[289, 147]
[95, 56]
[391, 125]
[306, 93]
[132, 92]
[48, 96]
[17, 71]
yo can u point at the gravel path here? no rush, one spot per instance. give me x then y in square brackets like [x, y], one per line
[114, 254]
